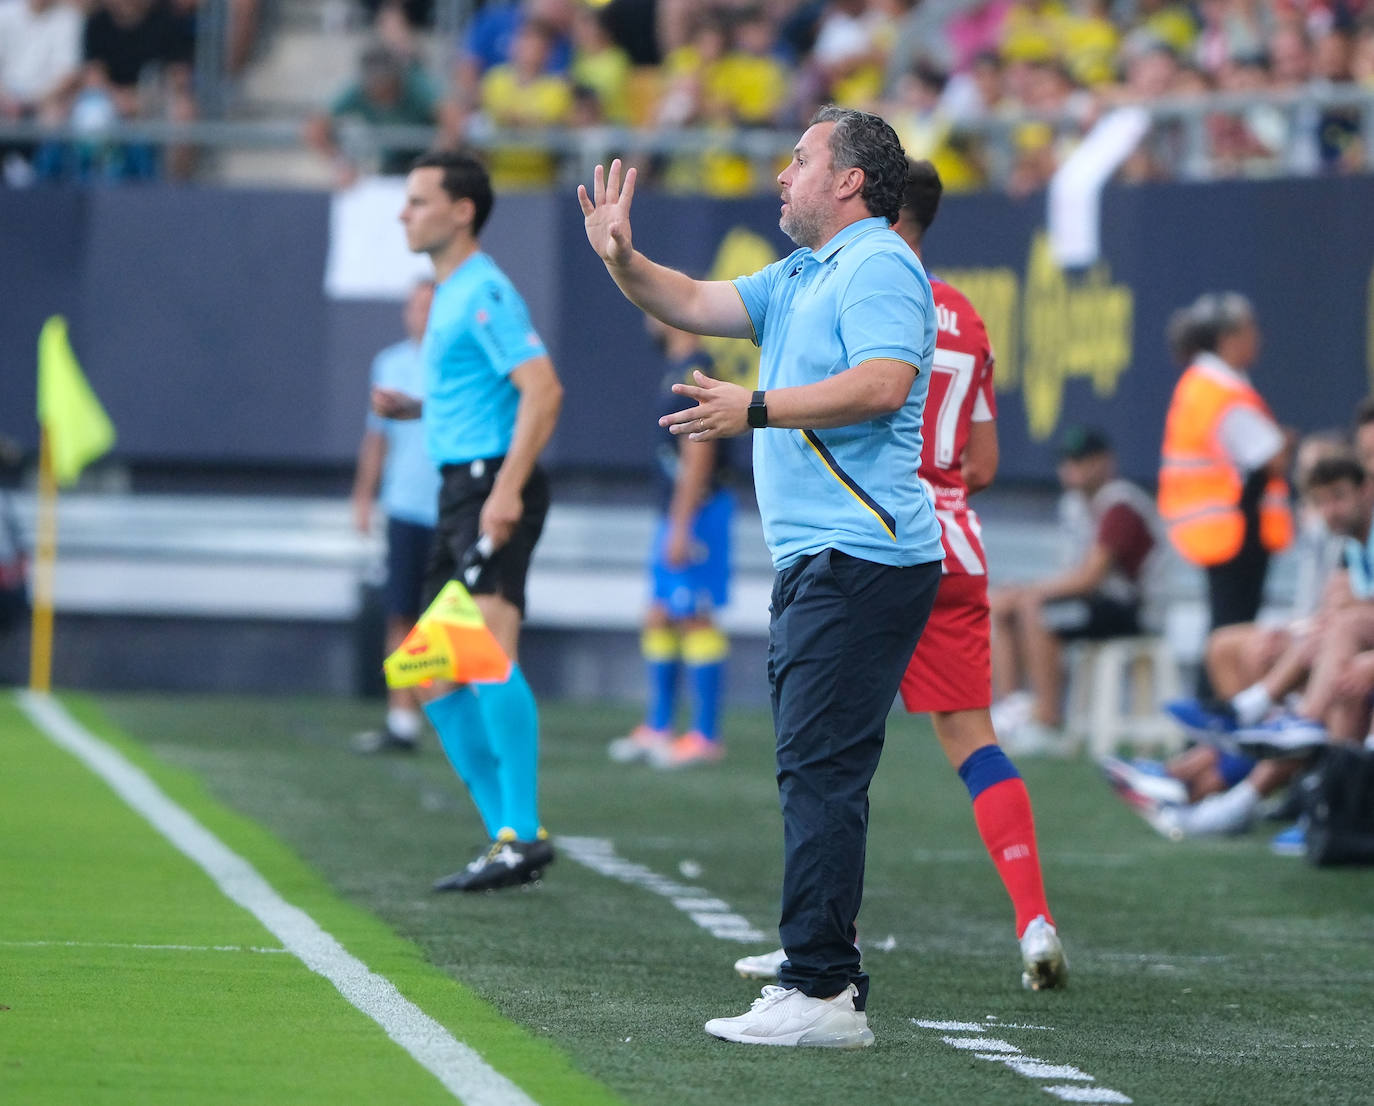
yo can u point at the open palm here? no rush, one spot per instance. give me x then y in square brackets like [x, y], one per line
[607, 213]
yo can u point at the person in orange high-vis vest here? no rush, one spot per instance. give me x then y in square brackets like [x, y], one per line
[1223, 498]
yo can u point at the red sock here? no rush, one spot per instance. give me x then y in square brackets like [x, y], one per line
[1005, 822]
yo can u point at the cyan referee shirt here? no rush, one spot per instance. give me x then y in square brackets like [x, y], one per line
[479, 332]
[861, 296]
[410, 481]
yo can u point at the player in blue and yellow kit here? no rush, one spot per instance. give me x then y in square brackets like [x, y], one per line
[491, 401]
[689, 570]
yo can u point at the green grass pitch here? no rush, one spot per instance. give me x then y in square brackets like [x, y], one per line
[1203, 972]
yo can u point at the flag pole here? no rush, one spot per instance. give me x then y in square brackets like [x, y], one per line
[44, 570]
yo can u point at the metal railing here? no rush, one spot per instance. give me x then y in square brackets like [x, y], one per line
[579, 150]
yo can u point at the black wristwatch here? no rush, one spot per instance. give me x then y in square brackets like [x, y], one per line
[758, 412]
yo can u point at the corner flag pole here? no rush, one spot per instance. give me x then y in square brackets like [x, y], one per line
[44, 570]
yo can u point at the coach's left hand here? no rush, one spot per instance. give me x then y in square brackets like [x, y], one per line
[721, 411]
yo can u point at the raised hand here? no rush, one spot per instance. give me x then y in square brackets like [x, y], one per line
[607, 213]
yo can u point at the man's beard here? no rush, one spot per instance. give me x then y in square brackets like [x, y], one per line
[800, 226]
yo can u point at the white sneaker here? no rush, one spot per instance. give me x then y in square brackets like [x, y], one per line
[1033, 738]
[642, 743]
[785, 1016]
[1042, 956]
[1131, 781]
[1012, 711]
[763, 966]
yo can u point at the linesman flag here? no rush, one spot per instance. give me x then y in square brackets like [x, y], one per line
[77, 427]
[449, 642]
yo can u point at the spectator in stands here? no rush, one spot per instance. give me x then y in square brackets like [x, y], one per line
[1151, 69]
[1340, 147]
[599, 65]
[1090, 43]
[1230, 29]
[748, 88]
[1362, 56]
[1364, 433]
[40, 69]
[848, 59]
[977, 92]
[137, 65]
[416, 13]
[689, 568]
[917, 115]
[1109, 527]
[525, 94]
[388, 91]
[394, 469]
[701, 90]
[753, 79]
[920, 37]
[978, 29]
[1222, 492]
[1251, 139]
[1034, 159]
[490, 39]
[688, 71]
[1166, 22]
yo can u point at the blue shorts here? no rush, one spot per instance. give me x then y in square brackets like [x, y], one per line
[407, 552]
[702, 585]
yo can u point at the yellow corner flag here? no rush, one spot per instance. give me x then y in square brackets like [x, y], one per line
[449, 642]
[77, 428]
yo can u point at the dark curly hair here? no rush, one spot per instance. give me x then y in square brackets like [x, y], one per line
[864, 141]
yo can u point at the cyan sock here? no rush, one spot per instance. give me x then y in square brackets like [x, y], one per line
[457, 720]
[512, 726]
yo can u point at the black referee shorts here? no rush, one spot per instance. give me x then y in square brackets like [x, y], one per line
[464, 490]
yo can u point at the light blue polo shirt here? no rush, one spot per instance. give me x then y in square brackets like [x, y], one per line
[479, 331]
[410, 480]
[861, 296]
[1359, 563]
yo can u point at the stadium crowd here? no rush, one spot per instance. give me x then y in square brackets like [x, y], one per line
[992, 92]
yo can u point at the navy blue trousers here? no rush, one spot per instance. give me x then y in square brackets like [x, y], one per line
[841, 634]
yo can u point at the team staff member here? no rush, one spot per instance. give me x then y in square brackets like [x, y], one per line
[950, 673]
[1222, 493]
[394, 467]
[491, 401]
[847, 330]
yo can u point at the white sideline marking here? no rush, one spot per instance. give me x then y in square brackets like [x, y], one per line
[1070, 1093]
[119, 945]
[712, 914]
[457, 1066]
[980, 1044]
[994, 1050]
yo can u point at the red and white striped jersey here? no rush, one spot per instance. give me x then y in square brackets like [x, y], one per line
[960, 394]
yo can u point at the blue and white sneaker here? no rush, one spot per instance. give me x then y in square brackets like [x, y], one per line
[1291, 842]
[1208, 719]
[1283, 735]
[1143, 783]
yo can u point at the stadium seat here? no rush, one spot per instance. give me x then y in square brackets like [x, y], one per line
[1115, 690]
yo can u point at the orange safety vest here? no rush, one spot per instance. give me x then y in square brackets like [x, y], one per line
[1199, 487]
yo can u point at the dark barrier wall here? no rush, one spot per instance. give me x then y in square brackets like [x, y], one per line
[200, 318]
